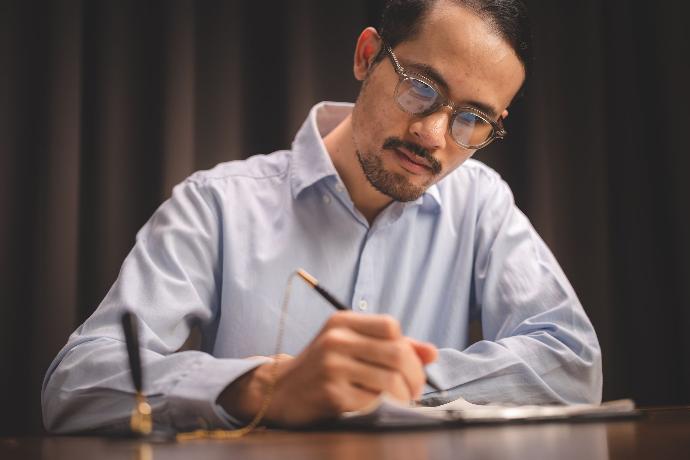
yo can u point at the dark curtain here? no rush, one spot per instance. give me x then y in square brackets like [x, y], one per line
[105, 105]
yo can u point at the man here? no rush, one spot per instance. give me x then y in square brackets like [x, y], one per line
[381, 202]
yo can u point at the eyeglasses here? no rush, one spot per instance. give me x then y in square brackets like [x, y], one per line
[417, 95]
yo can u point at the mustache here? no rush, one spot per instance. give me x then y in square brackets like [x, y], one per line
[395, 142]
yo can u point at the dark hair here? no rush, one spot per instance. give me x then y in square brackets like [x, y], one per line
[401, 21]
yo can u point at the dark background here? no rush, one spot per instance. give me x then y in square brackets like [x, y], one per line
[105, 105]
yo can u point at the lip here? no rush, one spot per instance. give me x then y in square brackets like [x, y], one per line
[411, 162]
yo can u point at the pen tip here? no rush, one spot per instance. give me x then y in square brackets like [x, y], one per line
[307, 277]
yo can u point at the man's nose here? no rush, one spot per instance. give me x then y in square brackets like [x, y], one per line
[430, 131]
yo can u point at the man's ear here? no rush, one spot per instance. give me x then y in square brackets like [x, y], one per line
[368, 45]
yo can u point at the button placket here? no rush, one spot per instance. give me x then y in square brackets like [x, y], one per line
[363, 294]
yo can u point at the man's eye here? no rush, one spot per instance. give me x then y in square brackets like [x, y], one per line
[423, 90]
[467, 118]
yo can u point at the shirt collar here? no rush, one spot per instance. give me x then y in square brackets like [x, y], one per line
[432, 198]
[310, 160]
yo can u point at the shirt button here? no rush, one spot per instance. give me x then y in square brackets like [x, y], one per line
[339, 187]
[363, 305]
[327, 199]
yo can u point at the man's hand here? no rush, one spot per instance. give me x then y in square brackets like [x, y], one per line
[353, 359]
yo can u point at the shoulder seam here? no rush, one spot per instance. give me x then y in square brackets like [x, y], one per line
[245, 176]
[201, 178]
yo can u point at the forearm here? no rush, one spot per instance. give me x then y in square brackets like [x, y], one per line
[89, 387]
[526, 369]
[540, 346]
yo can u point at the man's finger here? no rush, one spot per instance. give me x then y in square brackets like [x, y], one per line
[394, 355]
[427, 352]
[376, 379]
[282, 357]
[278, 357]
[381, 326]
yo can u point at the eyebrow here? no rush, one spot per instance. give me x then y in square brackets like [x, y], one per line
[434, 75]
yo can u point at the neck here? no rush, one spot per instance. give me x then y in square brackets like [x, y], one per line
[341, 147]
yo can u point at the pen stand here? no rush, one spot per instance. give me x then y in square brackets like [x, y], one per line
[141, 422]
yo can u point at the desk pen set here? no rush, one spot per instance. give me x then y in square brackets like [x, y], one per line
[141, 421]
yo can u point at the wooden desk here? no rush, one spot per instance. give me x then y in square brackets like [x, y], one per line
[663, 434]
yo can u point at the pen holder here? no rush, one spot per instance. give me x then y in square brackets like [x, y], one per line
[141, 421]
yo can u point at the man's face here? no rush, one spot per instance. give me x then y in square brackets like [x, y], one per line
[401, 154]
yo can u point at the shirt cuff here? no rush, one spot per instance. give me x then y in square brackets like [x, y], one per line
[192, 401]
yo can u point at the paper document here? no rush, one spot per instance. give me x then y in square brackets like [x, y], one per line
[387, 412]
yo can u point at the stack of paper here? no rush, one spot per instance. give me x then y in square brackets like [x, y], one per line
[387, 412]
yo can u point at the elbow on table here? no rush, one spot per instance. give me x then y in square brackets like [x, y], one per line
[72, 412]
[583, 381]
[53, 405]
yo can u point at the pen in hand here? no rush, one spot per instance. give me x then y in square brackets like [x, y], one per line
[314, 283]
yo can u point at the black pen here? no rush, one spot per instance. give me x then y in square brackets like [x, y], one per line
[314, 283]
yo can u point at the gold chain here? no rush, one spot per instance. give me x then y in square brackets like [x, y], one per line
[238, 433]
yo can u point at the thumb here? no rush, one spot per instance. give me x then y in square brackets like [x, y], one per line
[427, 352]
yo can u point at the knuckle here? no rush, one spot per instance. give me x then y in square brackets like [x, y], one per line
[332, 338]
[330, 366]
[396, 357]
[331, 322]
[390, 326]
[338, 319]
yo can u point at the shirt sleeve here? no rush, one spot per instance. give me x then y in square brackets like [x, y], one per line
[171, 276]
[539, 346]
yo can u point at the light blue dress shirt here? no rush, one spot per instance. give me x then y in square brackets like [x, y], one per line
[222, 247]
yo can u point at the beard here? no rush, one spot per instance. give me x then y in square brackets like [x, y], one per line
[393, 184]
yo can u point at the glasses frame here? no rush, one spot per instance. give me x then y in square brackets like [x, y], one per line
[498, 131]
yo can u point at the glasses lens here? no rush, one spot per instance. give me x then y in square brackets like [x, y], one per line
[471, 130]
[416, 97]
